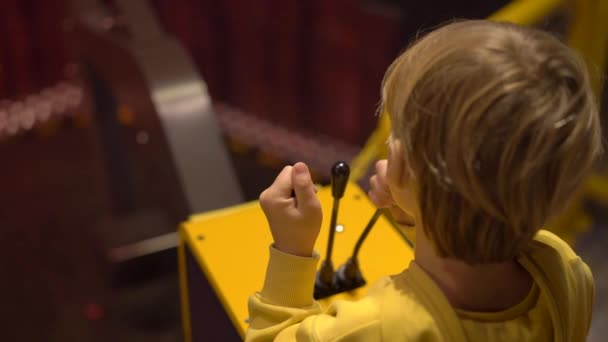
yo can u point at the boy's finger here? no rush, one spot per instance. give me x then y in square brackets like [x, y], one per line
[293, 192]
[379, 200]
[379, 187]
[380, 191]
[303, 186]
[381, 167]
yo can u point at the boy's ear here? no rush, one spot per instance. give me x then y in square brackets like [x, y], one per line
[396, 171]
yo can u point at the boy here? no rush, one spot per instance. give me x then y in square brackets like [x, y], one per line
[494, 126]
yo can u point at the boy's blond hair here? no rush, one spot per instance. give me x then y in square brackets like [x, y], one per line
[499, 127]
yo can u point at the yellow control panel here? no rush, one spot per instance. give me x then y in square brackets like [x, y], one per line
[230, 246]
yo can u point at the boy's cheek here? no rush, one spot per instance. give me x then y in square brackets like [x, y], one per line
[405, 201]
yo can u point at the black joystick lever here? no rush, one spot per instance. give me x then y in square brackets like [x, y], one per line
[324, 285]
[349, 275]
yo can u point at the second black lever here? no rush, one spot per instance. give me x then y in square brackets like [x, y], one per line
[349, 275]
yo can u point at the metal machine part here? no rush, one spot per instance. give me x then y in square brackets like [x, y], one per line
[169, 161]
[184, 107]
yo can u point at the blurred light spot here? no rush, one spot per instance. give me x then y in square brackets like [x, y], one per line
[142, 137]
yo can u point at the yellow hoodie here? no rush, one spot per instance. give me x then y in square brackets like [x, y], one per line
[410, 306]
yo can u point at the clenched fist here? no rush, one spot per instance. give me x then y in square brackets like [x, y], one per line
[380, 193]
[295, 222]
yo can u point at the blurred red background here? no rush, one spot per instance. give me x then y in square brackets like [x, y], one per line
[310, 65]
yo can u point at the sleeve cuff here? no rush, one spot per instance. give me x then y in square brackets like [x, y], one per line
[290, 279]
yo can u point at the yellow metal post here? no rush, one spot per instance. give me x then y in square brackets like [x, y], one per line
[588, 34]
[526, 12]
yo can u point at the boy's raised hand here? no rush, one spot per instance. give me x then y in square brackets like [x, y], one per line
[381, 195]
[379, 191]
[295, 222]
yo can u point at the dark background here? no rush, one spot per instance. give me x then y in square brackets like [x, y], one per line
[312, 66]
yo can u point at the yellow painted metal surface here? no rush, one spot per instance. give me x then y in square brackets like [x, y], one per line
[588, 34]
[526, 12]
[231, 247]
